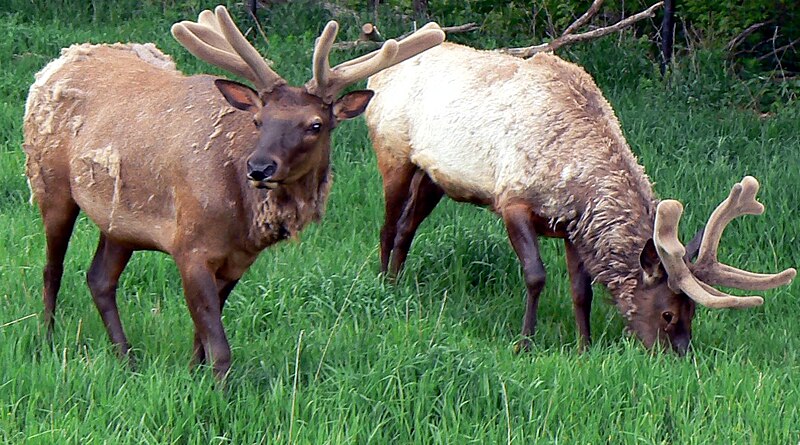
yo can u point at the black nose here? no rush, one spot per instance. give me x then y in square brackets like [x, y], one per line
[681, 346]
[259, 171]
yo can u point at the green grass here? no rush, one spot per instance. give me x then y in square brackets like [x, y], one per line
[325, 351]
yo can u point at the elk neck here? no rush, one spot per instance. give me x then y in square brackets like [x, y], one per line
[282, 213]
[610, 234]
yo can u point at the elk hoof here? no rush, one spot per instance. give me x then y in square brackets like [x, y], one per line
[523, 345]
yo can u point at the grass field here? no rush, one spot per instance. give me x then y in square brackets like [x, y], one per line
[325, 351]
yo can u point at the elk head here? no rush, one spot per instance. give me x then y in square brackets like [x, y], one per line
[672, 284]
[294, 123]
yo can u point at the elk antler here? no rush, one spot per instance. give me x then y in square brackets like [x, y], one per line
[215, 39]
[328, 82]
[707, 271]
[741, 201]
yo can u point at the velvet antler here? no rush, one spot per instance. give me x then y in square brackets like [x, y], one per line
[328, 82]
[695, 280]
[215, 39]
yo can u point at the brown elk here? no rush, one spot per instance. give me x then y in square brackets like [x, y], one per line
[160, 161]
[536, 141]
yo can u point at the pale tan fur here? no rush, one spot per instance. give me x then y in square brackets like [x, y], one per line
[157, 159]
[491, 128]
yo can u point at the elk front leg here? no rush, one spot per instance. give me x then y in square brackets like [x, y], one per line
[225, 287]
[109, 261]
[58, 214]
[203, 300]
[519, 223]
[424, 194]
[396, 181]
[581, 286]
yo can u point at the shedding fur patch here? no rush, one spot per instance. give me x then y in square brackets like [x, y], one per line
[106, 161]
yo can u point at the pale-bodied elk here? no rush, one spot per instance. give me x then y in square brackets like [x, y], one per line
[161, 161]
[536, 141]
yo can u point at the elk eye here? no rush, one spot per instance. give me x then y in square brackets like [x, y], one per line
[667, 316]
[257, 123]
[315, 128]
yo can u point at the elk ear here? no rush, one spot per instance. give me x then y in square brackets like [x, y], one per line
[352, 104]
[693, 248]
[651, 263]
[239, 96]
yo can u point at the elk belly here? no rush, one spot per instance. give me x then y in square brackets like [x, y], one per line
[124, 206]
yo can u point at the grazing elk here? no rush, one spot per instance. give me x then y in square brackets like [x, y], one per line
[160, 161]
[536, 141]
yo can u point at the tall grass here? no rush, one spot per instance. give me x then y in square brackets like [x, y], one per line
[325, 351]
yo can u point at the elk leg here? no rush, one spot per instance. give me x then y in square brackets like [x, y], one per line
[423, 197]
[59, 219]
[203, 299]
[519, 223]
[581, 287]
[225, 287]
[396, 181]
[109, 261]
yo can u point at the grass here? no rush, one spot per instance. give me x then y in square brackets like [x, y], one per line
[325, 351]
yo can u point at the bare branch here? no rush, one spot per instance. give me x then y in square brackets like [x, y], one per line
[258, 23]
[466, 27]
[582, 20]
[590, 35]
[743, 35]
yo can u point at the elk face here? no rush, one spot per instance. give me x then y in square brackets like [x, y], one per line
[294, 129]
[662, 318]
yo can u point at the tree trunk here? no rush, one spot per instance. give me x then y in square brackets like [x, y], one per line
[667, 34]
[372, 6]
[420, 9]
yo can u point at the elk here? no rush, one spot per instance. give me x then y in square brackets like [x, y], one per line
[536, 142]
[162, 161]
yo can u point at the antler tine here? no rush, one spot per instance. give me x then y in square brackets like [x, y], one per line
[680, 278]
[327, 82]
[268, 79]
[321, 67]
[404, 51]
[207, 18]
[740, 201]
[211, 53]
[215, 39]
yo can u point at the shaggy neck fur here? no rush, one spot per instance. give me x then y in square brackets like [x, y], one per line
[288, 209]
[610, 240]
[614, 227]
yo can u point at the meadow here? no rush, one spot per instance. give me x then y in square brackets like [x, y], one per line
[327, 351]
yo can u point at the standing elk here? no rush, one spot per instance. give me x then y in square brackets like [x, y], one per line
[160, 161]
[536, 141]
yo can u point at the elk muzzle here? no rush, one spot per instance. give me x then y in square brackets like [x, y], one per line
[260, 171]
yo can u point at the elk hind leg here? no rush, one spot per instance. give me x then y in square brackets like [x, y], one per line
[396, 181]
[109, 261]
[58, 215]
[424, 195]
[519, 222]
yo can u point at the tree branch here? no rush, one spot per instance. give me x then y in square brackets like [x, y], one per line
[568, 39]
[591, 12]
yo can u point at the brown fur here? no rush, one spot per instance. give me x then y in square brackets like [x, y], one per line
[160, 161]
